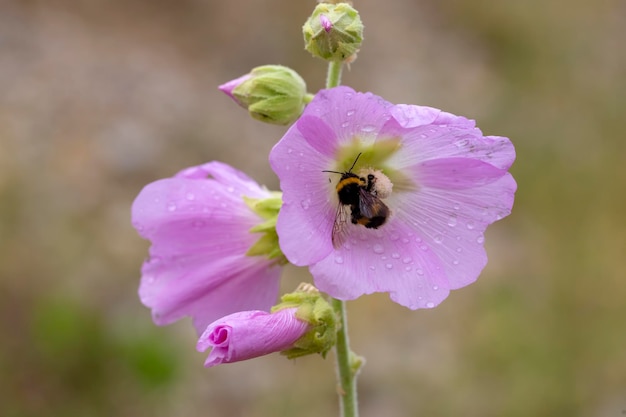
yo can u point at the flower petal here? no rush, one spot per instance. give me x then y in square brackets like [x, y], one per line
[249, 334]
[447, 141]
[391, 259]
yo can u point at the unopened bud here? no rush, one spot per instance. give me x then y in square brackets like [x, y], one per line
[334, 32]
[271, 93]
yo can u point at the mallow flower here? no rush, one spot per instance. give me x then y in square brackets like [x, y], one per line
[206, 261]
[421, 186]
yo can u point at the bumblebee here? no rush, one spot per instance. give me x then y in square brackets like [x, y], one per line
[360, 201]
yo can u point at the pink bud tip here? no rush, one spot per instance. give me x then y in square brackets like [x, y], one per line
[326, 23]
[227, 88]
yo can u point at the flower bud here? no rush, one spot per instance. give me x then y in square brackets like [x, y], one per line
[334, 32]
[271, 93]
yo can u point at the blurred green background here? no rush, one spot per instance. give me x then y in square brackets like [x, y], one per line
[100, 97]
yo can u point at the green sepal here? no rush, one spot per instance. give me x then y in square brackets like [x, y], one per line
[267, 245]
[313, 309]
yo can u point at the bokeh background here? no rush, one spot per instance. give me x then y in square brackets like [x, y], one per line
[100, 97]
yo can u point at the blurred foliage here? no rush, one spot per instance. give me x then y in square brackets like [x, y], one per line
[97, 98]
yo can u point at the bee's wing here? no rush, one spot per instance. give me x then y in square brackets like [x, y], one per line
[371, 206]
[340, 227]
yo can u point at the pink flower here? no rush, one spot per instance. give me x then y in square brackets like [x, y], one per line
[199, 226]
[441, 180]
[249, 334]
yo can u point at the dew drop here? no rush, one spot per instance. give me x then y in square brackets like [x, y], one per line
[289, 150]
[423, 136]
[407, 260]
[395, 255]
[438, 239]
[452, 221]
[430, 304]
[435, 288]
[338, 260]
[480, 239]
[407, 268]
[305, 204]
[350, 113]
[378, 248]
[420, 272]
[459, 249]
[470, 225]
[190, 196]
[368, 128]
[457, 206]
[345, 124]
[372, 267]
[388, 266]
[231, 189]
[455, 262]
[405, 240]
[461, 143]
[424, 247]
[171, 207]
[418, 239]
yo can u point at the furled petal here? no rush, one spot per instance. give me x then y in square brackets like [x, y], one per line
[199, 228]
[249, 334]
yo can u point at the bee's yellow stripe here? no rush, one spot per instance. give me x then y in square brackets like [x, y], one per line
[347, 181]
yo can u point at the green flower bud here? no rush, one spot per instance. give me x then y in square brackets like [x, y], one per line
[271, 93]
[334, 32]
[322, 319]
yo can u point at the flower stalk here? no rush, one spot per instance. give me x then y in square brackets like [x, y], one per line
[345, 372]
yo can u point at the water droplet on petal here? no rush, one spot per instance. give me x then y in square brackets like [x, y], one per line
[452, 221]
[455, 262]
[438, 239]
[345, 124]
[368, 128]
[461, 143]
[470, 225]
[459, 249]
[424, 247]
[350, 113]
[420, 272]
[231, 189]
[435, 288]
[372, 267]
[171, 207]
[388, 266]
[430, 304]
[407, 260]
[378, 248]
[407, 268]
[305, 204]
[395, 255]
[480, 239]
[338, 259]
[289, 150]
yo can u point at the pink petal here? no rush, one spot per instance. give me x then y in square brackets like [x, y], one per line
[391, 259]
[249, 334]
[440, 141]
[452, 222]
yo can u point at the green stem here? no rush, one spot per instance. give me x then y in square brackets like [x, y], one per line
[345, 372]
[333, 76]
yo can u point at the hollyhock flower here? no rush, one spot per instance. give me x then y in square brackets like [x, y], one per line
[200, 264]
[440, 179]
[249, 334]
